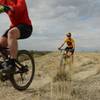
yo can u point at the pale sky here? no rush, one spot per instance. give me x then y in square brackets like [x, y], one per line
[52, 18]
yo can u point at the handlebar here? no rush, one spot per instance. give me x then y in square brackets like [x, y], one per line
[61, 49]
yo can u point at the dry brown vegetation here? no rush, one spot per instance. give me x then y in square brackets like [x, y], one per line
[85, 83]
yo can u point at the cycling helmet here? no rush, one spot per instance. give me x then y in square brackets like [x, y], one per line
[68, 34]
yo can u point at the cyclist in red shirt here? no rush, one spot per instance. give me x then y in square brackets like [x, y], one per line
[20, 28]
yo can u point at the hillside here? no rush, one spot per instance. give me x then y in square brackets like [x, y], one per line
[85, 78]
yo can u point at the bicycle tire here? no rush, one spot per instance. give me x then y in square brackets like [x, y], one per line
[62, 61]
[12, 78]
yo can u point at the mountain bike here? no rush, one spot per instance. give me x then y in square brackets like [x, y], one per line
[23, 75]
[65, 66]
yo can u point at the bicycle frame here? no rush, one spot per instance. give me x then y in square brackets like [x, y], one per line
[5, 53]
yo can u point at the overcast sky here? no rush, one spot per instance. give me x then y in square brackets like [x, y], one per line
[52, 18]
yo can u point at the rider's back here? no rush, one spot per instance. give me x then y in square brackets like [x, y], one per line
[69, 42]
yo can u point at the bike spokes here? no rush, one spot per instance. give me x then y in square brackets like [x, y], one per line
[24, 72]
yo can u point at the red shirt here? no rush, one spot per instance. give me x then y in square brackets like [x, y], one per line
[20, 13]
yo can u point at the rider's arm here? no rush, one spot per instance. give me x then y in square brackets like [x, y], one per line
[61, 45]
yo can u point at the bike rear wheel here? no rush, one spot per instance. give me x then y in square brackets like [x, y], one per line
[22, 80]
[63, 71]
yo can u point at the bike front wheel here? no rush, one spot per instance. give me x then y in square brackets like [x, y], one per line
[25, 70]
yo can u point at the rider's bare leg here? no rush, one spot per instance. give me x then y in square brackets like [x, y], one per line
[66, 53]
[3, 42]
[13, 35]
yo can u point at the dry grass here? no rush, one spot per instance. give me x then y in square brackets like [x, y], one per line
[84, 84]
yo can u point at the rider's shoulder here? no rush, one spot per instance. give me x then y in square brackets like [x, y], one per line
[65, 39]
[72, 39]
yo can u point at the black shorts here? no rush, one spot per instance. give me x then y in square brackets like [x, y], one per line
[25, 31]
[69, 49]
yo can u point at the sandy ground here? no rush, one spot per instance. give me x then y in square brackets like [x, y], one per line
[85, 83]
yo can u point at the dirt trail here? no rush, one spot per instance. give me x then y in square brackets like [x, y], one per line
[86, 78]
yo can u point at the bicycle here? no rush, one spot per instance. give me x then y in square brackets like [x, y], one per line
[65, 67]
[25, 69]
